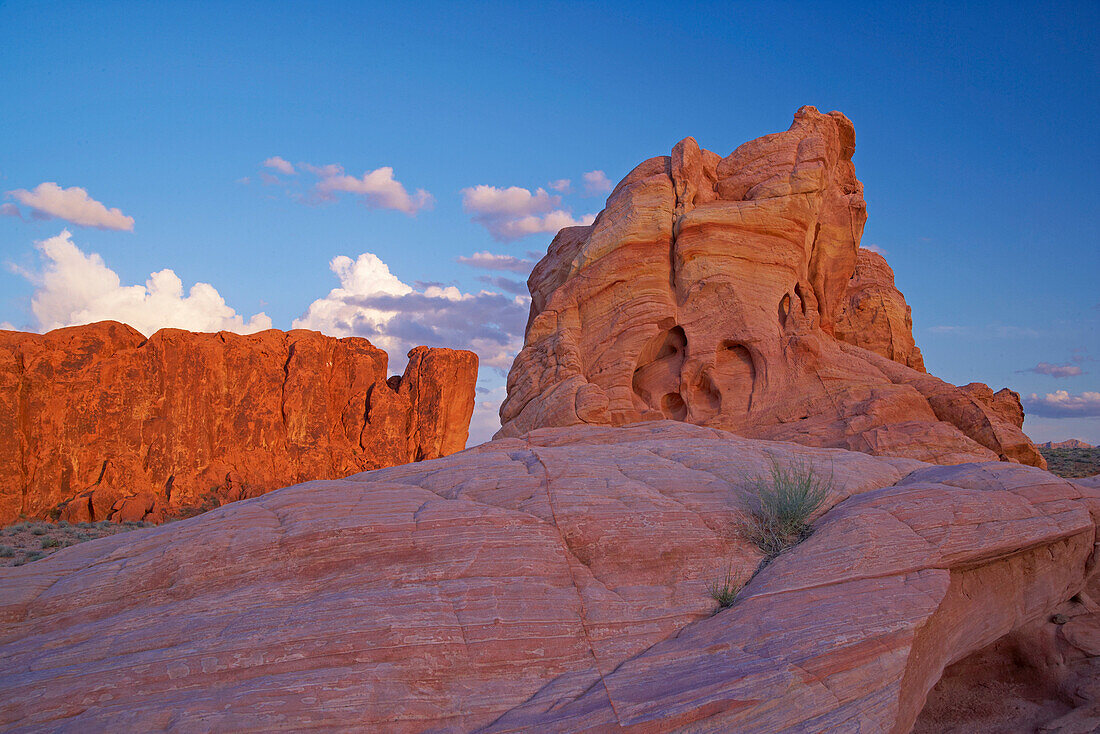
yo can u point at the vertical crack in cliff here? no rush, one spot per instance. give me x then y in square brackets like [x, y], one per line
[282, 394]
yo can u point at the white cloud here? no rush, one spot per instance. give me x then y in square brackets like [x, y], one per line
[7, 326]
[1061, 404]
[492, 261]
[378, 188]
[562, 185]
[373, 303]
[10, 210]
[486, 419]
[595, 183]
[514, 212]
[281, 165]
[77, 288]
[73, 205]
[1055, 370]
[874, 248]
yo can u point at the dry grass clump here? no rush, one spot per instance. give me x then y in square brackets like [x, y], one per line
[780, 504]
[724, 591]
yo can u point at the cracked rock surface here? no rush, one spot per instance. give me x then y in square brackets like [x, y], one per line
[557, 582]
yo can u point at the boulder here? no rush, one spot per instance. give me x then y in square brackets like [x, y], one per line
[732, 293]
[104, 422]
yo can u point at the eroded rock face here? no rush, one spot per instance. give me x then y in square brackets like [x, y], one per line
[551, 583]
[122, 427]
[875, 315]
[731, 292]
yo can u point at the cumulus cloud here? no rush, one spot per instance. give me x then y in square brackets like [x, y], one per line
[281, 165]
[78, 288]
[378, 189]
[73, 204]
[596, 183]
[10, 210]
[373, 303]
[874, 248]
[1062, 404]
[562, 185]
[492, 261]
[1055, 370]
[514, 212]
[7, 326]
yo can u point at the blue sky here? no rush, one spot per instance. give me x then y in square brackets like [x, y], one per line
[976, 142]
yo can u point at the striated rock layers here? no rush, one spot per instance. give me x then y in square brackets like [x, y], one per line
[732, 292]
[122, 427]
[558, 583]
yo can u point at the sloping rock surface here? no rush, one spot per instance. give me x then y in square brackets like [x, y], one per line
[123, 427]
[732, 292]
[551, 583]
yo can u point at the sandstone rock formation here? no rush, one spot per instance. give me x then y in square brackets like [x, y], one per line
[558, 583]
[731, 292]
[874, 314]
[123, 427]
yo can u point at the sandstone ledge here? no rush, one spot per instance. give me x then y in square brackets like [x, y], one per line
[554, 582]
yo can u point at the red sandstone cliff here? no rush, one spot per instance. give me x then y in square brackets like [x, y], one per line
[118, 426]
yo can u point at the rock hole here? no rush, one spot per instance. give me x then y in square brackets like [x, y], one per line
[673, 406]
[801, 299]
[657, 374]
[734, 375]
[784, 308]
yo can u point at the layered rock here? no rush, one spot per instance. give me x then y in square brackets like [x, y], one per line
[874, 314]
[731, 292]
[556, 582]
[117, 426]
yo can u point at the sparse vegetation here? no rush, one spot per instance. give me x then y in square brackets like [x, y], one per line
[724, 591]
[28, 541]
[779, 505]
[1072, 463]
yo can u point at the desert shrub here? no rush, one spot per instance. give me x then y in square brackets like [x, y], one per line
[50, 542]
[38, 530]
[779, 505]
[724, 590]
[6, 551]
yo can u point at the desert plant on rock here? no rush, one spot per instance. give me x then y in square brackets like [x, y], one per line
[780, 504]
[724, 591]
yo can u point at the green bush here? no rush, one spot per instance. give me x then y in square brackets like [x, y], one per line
[50, 542]
[780, 504]
[6, 551]
[724, 591]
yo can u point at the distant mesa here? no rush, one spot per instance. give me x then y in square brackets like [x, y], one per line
[101, 423]
[732, 293]
[1071, 443]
